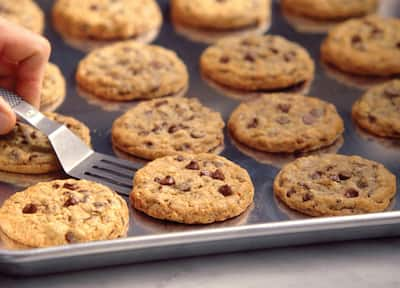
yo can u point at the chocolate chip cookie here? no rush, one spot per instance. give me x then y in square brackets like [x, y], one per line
[25, 13]
[368, 46]
[330, 9]
[53, 88]
[333, 185]
[129, 70]
[192, 189]
[220, 15]
[163, 127]
[106, 20]
[378, 110]
[63, 212]
[257, 63]
[26, 150]
[286, 123]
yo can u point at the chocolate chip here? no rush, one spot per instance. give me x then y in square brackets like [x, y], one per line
[70, 237]
[282, 120]
[98, 204]
[398, 45]
[218, 175]
[249, 57]
[391, 91]
[351, 193]
[173, 128]
[356, 41]
[334, 178]
[167, 180]
[344, 175]
[193, 165]
[362, 183]
[197, 134]
[94, 7]
[185, 187]
[224, 59]
[29, 209]
[71, 201]
[274, 50]
[160, 103]
[284, 107]
[225, 190]
[308, 119]
[148, 143]
[290, 192]
[317, 113]
[307, 197]
[33, 135]
[183, 147]
[246, 42]
[253, 123]
[316, 175]
[144, 133]
[55, 186]
[289, 56]
[70, 186]
[205, 173]
[180, 158]
[371, 118]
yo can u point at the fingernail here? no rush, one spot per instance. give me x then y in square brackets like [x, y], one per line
[4, 125]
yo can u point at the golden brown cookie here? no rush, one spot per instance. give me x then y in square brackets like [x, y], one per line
[163, 127]
[129, 70]
[378, 110]
[192, 189]
[25, 13]
[220, 15]
[330, 9]
[106, 20]
[286, 123]
[27, 150]
[333, 185]
[63, 212]
[257, 63]
[366, 46]
[53, 88]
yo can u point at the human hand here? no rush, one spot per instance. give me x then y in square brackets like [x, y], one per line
[23, 57]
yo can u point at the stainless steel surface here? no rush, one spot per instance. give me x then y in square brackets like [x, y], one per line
[266, 224]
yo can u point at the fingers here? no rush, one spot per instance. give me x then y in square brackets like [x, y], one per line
[7, 117]
[29, 53]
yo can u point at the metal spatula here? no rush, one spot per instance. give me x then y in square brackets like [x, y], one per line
[75, 157]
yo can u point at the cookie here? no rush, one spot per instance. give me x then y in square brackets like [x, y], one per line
[333, 185]
[368, 46]
[106, 20]
[129, 70]
[286, 123]
[26, 150]
[257, 63]
[192, 189]
[378, 110]
[163, 127]
[220, 15]
[330, 9]
[25, 13]
[63, 212]
[53, 88]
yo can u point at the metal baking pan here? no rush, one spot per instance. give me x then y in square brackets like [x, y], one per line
[266, 224]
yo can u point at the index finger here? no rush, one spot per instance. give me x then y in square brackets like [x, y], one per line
[30, 53]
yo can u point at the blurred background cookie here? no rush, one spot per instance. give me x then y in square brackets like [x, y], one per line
[53, 88]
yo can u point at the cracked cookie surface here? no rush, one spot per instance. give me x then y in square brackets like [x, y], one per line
[106, 19]
[129, 70]
[63, 212]
[53, 86]
[220, 15]
[25, 13]
[286, 123]
[378, 110]
[192, 189]
[331, 9]
[257, 63]
[27, 150]
[166, 126]
[334, 185]
[368, 46]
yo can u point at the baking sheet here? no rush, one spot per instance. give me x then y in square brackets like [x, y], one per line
[266, 211]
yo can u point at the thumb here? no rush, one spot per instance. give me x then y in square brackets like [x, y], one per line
[7, 117]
